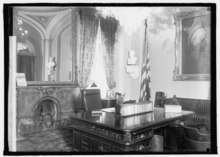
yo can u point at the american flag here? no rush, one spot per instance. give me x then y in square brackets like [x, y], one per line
[145, 71]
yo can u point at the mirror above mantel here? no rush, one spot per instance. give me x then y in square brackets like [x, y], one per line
[48, 33]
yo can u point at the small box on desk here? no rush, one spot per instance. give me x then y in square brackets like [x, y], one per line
[172, 108]
[134, 108]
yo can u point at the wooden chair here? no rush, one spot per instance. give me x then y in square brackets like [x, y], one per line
[91, 99]
[196, 137]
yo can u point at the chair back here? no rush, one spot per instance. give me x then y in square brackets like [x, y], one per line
[91, 99]
[197, 137]
[197, 132]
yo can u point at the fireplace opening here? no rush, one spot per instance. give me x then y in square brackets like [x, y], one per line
[46, 114]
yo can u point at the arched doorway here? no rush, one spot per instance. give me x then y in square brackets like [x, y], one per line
[26, 62]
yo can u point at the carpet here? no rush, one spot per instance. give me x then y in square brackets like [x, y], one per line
[55, 140]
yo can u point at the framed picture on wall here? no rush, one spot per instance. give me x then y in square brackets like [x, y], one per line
[192, 45]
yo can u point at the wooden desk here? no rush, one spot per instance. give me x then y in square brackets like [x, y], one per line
[108, 102]
[108, 132]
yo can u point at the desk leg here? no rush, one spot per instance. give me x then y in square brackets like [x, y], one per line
[173, 138]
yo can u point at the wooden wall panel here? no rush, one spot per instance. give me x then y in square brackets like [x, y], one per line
[173, 135]
[200, 107]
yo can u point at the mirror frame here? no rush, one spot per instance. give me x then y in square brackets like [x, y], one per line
[177, 72]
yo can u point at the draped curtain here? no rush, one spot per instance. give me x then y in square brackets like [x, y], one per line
[89, 20]
[98, 74]
[88, 33]
[109, 27]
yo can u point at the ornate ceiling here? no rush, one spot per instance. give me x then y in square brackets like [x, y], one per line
[45, 19]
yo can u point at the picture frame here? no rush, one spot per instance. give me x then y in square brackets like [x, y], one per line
[192, 45]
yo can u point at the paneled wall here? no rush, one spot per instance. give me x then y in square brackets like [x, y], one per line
[174, 135]
[200, 107]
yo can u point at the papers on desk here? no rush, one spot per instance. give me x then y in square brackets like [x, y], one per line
[96, 112]
[172, 108]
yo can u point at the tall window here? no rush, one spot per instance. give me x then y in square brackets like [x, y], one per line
[98, 73]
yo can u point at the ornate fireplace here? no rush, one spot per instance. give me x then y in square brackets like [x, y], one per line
[45, 107]
[46, 113]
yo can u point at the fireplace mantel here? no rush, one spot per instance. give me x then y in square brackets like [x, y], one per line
[67, 97]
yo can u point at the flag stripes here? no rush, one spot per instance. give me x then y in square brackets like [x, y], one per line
[145, 71]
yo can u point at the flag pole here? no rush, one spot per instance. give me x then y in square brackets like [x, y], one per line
[145, 78]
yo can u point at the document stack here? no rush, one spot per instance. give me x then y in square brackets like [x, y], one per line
[133, 108]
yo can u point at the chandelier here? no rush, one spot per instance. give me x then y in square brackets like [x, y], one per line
[21, 35]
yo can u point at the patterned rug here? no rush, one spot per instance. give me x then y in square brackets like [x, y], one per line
[56, 140]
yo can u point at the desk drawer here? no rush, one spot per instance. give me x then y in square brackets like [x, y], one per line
[89, 142]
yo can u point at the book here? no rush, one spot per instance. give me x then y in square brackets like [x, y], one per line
[134, 108]
[21, 79]
[172, 108]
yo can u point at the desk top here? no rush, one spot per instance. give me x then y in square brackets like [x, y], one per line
[110, 120]
[107, 99]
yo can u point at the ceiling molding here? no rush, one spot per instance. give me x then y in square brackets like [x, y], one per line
[34, 24]
[42, 9]
[44, 20]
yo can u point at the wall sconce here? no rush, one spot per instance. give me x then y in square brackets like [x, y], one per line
[131, 67]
